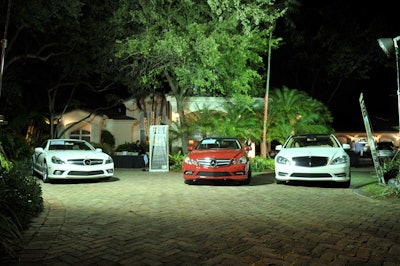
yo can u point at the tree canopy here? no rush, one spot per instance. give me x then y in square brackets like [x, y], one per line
[295, 112]
[196, 49]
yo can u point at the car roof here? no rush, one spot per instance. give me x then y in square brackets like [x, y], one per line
[311, 135]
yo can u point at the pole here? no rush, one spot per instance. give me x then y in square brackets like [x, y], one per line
[266, 99]
[396, 49]
[4, 46]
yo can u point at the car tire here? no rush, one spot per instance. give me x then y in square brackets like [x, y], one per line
[189, 182]
[344, 184]
[279, 182]
[45, 174]
[248, 180]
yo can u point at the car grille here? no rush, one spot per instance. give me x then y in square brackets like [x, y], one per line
[213, 162]
[310, 161]
[312, 175]
[213, 174]
[85, 161]
[86, 173]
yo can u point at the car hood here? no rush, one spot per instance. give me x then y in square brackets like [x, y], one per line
[301, 152]
[78, 154]
[216, 153]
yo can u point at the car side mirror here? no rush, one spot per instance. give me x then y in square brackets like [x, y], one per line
[99, 150]
[278, 147]
[39, 149]
[346, 146]
[190, 148]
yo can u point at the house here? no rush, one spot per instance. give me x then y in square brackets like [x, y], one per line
[132, 120]
[128, 124]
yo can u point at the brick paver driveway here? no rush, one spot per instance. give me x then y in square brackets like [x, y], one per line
[145, 218]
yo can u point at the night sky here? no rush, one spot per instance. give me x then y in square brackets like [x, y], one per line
[378, 20]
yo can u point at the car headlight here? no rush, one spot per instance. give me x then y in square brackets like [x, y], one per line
[187, 160]
[242, 160]
[340, 160]
[57, 160]
[109, 160]
[282, 160]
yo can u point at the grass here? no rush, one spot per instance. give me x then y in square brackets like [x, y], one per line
[381, 192]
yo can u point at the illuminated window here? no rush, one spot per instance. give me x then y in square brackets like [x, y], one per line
[80, 134]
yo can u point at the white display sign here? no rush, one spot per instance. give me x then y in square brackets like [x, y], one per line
[159, 149]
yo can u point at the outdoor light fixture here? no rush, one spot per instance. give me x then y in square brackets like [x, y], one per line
[389, 45]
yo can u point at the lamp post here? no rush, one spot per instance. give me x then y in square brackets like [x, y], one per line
[388, 45]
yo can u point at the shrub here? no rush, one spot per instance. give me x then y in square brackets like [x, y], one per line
[107, 138]
[23, 194]
[20, 201]
[10, 228]
[390, 169]
[260, 164]
[176, 160]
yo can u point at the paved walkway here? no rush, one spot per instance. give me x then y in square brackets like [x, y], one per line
[143, 218]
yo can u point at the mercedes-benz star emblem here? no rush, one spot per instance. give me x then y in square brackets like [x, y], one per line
[87, 162]
[213, 163]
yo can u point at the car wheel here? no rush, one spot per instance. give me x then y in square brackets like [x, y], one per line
[45, 174]
[344, 184]
[279, 182]
[248, 180]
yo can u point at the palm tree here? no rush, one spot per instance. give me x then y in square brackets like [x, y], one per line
[241, 119]
[294, 112]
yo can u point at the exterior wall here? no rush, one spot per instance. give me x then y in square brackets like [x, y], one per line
[124, 131]
[90, 122]
[153, 110]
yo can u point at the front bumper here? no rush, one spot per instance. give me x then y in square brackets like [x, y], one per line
[80, 172]
[232, 172]
[334, 173]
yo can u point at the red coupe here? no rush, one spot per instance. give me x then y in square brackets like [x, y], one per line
[217, 158]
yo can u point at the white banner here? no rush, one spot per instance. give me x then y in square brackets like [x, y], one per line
[159, 149]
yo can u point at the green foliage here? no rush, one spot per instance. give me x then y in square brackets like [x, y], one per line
[379, 191]
[198, 47]
[10, 228]
[390, 169]
[4, 163]
[201, 47]
[294, 112]
[260, 164]
[20, 201]
[14, 144]
[23, 194]
[176, 161]
[240, 119]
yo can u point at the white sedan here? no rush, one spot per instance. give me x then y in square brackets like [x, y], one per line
[318, 157]
[71, 159]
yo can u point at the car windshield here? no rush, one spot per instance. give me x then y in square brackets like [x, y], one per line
[214, 143]
[385, 146]
[311, 141]
[69, 145]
